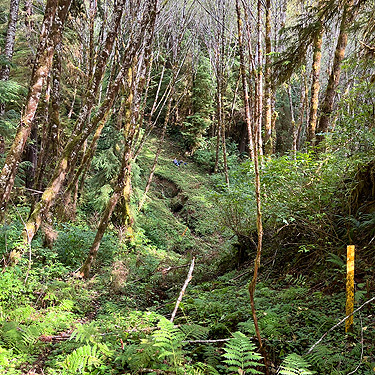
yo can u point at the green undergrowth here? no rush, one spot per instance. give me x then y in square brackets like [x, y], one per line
[179, 214]
[114, 325]
[117, 322]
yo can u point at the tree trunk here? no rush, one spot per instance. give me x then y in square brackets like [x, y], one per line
[9, 40]
[244, 82]
[268, 137]
[8, 54]
[50, 37]
[29, 24]
[259, 98]
[74, 145]
[315, 87]
[334, 78]
[219, 125]
[298, 125]
[292, 117]
[123, 185]
[257, 151]
[85, 269]
[50, 142]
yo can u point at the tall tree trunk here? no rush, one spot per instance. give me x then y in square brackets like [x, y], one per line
[245, 91]
[50, 142]
[219, 125]
[255, 157]
[292, 116]
[123, 185]
[54, 18]
[348, 16]
[9, 40]
[225, 159]
[315, 87]
[259, 98]
[8, 54]
[29, 24]
[80, 134]
[268, 136]
[74, 145]
[298, 125]
[222, 90]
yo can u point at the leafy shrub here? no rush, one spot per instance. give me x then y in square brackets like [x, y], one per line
[74, 242]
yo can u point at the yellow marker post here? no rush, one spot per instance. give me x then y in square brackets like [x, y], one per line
[349, 288]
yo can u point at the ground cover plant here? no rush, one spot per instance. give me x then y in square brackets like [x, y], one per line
[118, 321]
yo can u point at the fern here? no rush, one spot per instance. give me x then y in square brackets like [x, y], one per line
[194, 331]
[240, 355]
[85, 333]
[169, 340]
[19, 338]
[338, 261]
[85, 358]
[138, 356]
[294, 364]
[200, 369]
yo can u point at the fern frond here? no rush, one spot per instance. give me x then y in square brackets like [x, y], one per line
[294, 364]
[85, 333]
[194, 331]
[205, 368]
[138, 356]
[240, 355]
[85, 357]
[169, 341]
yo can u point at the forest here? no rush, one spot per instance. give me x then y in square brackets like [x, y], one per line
[187, 187]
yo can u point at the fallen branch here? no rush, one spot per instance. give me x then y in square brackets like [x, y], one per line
[189, 277]
[204, 341]
[340, 322]
[164, 271]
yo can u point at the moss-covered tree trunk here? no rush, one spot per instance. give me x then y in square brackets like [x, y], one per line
[136, 81]
[9, 46]
[315, 86]
[54, 18]
[245, 91]
[80, 133]
[50, 140]
[348, 16]
[268, 136]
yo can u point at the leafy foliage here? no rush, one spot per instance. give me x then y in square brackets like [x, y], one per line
[86, 358]
[240, 355]
[294, 364]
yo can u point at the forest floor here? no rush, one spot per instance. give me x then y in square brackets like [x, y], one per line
[54, 323]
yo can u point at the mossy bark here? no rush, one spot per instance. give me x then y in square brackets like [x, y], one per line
[315, 86]
[9, 45]
[268, 137]
[244, 81]
[50, 139]
[136, 81]
[54, 18]
[348, 16]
